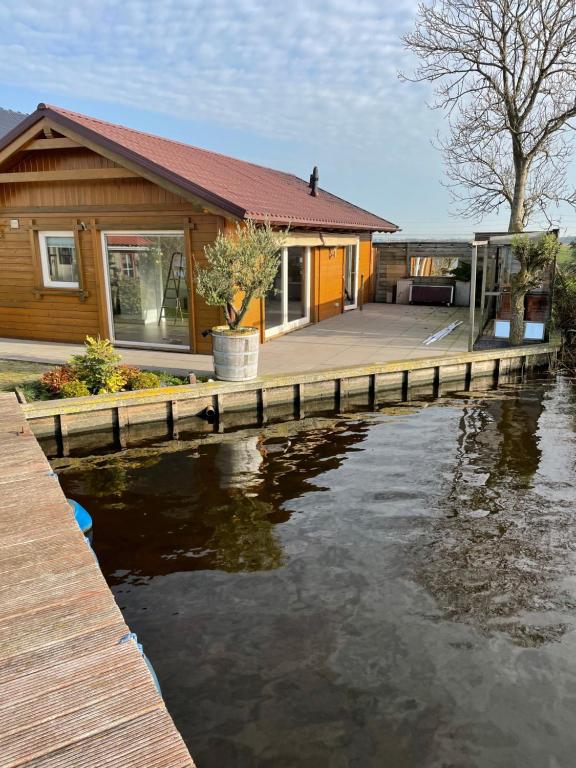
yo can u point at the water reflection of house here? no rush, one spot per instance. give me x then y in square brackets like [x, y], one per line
[120, 204]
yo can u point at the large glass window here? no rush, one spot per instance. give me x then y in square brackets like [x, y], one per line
[59, 260]
[273, 303]
[286, 303]
[350, 277]
[147, 275]
[295, 267]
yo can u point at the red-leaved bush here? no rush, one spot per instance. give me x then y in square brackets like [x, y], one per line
[55, 379]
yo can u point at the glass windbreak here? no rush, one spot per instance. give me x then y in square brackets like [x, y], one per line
[273, 303]
[296, 283]
[148, 287]
[350, 276]
[432, 266]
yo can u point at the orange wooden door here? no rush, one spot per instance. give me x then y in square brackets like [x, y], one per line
[329, 277]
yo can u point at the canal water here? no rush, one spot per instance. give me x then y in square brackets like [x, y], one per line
[381, 589]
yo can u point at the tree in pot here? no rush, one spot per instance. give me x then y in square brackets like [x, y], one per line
[241, 267]
[534, 258]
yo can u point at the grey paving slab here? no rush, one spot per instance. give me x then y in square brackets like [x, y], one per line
[379, 333]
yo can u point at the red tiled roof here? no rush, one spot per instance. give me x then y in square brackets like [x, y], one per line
[244, 189]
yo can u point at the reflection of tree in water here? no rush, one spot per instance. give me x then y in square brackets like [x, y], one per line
[108, 476]
[501, 549]
[243, 536]
[213, 506]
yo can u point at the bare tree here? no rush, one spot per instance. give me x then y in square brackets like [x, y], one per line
[505, 72]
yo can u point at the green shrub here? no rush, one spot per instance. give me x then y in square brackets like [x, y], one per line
[57, 377]
[74, 389]
[145, 380]
[36, 390]
[97, 367]
[168, 380]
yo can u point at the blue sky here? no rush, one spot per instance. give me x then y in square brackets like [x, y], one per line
[285, 84]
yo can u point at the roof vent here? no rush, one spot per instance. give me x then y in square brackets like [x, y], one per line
[314, 178]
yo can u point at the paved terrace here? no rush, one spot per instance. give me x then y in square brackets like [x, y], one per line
[378, 334]
[70, 694]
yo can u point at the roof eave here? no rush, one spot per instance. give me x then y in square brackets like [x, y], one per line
[383, 226]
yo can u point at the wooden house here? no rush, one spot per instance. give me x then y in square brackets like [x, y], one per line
[101, 225]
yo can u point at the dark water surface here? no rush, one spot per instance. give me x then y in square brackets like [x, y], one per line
[391, 589]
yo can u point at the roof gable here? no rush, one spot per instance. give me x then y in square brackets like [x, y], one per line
[243, 189]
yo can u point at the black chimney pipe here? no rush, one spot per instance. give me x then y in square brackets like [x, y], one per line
[314, 179]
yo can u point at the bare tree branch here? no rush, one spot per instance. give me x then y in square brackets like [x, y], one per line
[505, 73]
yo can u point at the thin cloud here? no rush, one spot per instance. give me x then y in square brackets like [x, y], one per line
[322, 72]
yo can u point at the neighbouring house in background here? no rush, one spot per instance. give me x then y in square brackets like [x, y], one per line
[9, 120]
[101, 226]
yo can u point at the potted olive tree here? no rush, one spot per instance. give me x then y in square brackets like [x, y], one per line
[241, 267]
[534, 258]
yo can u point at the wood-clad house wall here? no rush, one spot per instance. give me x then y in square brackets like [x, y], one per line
[31, 311]
[87, 207]
[367, 270]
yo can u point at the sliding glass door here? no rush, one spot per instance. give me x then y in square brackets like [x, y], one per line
[351, 277]
[287, 303]
[147, 287]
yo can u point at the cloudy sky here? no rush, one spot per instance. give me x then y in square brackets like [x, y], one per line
[284, 83]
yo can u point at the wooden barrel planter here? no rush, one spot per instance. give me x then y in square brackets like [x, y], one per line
[235, 353]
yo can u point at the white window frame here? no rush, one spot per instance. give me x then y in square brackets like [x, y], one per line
[299, 322]
[356, 247]
[44, 258]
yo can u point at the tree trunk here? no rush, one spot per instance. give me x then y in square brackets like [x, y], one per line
[517, 207]
[516, 225]
[517, 296]
[231, 315]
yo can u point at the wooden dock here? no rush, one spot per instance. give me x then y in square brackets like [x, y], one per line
[70, 694]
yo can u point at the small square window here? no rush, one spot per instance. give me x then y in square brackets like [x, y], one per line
[59, 259]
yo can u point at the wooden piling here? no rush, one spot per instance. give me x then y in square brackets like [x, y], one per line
[50, 418]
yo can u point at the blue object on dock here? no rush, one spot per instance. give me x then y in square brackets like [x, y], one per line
[132, 636]
[81, 516]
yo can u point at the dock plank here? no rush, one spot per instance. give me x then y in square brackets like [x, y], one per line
[70, 694]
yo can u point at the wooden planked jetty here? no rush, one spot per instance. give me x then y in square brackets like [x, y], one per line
[70, 694]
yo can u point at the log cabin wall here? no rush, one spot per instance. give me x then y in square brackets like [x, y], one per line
[326, 279]
[28, 309]
[366, 269]
[119, 200]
